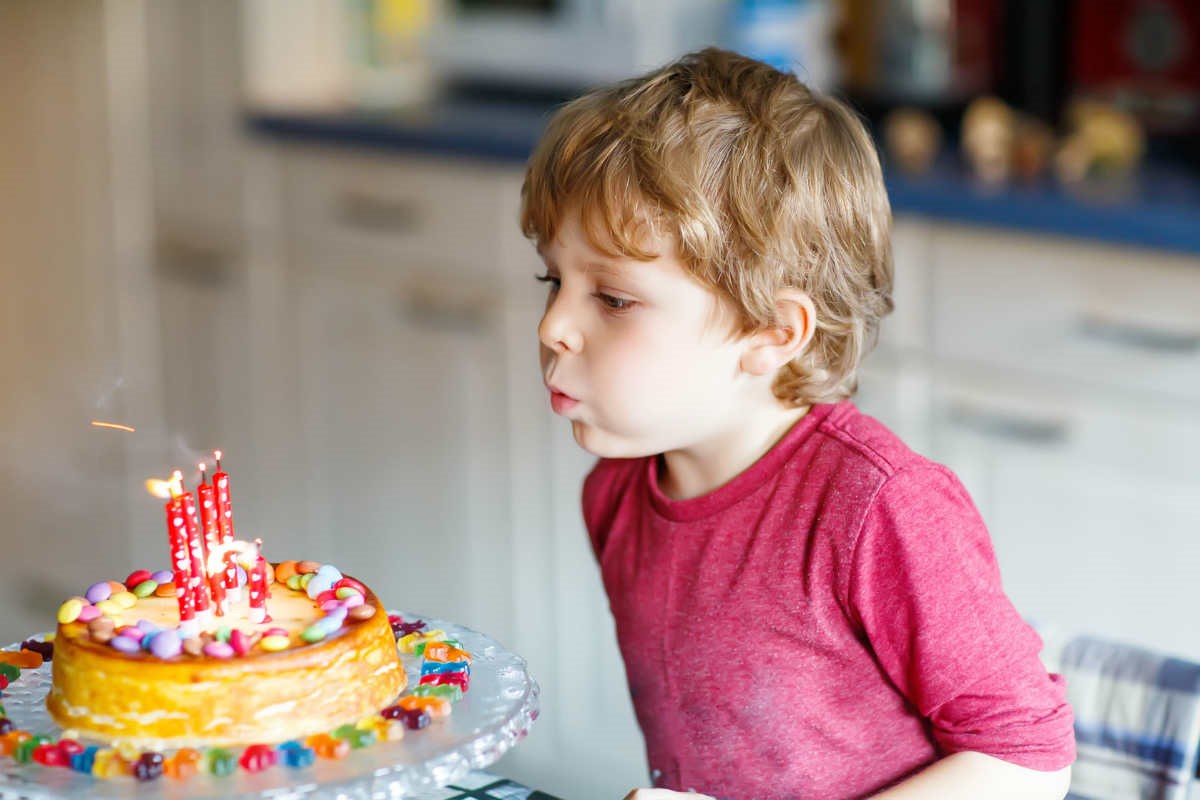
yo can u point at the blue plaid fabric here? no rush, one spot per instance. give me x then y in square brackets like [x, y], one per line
[1137, 719]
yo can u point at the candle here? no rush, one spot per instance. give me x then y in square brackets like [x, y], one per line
[180, 560]
[206, 496]
[198, 576]
[225, 525]
[258, 592]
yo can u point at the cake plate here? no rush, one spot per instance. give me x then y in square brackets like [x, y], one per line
[493, 715]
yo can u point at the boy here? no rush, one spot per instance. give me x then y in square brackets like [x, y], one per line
[805, 607]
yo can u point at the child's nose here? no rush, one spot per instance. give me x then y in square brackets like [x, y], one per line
[557, 331]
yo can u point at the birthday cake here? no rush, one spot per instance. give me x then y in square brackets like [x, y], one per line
[224, 648]
[133, 677]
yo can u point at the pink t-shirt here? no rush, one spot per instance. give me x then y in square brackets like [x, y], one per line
[825, 624]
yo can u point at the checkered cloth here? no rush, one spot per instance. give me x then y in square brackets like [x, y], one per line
[1137, 718]
[483, 786]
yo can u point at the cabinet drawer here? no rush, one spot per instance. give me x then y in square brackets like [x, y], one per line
[994, 411]
[355, 211]
[1125, 319]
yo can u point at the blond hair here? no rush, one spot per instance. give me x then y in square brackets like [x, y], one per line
[761, 183]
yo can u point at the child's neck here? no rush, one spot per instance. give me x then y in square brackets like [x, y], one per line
[697, 470]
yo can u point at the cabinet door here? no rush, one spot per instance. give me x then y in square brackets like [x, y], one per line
[402, 429]
[1091, 507]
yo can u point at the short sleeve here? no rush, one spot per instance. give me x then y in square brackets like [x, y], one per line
[926, 588]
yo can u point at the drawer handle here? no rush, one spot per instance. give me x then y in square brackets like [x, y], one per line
[193, 262]
[376, 214]
[1140, 337]
[1012, 426]
[444, 312]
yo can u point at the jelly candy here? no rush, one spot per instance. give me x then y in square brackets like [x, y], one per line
[24, 751]
[362, 737]
[10, 671]
[419, 649]
[441, 651]
[415, 718]
[434, 667]
[460, 679]
[10, 741]
[69, 747]
[343, 732]
[6, 725]
[327, 746]
[446, 692]
[184, 764]
[220, 761]
[148, 767]
[48, 754]
[45, 649]
[109, 764]
[24, 659]
[295, 755]
[83, 761]
[257, 757]
[436, 707]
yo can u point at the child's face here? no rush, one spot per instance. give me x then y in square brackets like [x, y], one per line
[638, 355]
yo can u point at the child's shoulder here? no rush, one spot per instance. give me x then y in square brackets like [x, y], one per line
[864, 445]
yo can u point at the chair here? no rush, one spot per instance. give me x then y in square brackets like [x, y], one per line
[1137, 718]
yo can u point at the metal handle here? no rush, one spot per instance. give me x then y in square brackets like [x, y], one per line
[202, 263]
[445, 311]
[1139, 336]
[377, 214]
[1009, 425]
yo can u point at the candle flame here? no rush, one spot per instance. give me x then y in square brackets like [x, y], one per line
[159, 488]
[116, 426]
[217, 455]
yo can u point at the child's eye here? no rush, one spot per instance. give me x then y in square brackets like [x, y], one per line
[550, 279]
[615, 303]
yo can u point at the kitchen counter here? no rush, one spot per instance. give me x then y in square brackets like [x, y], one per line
[1160, 208]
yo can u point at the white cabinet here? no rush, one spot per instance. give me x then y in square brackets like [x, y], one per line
[1091, 501]
[402, 430]
[1059, 380]
[396, 387]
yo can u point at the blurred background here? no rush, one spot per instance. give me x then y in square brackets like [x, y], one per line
[287, 229]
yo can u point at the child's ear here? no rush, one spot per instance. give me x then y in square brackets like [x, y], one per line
[768, 349]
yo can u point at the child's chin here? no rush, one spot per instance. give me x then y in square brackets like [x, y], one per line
[605, 445]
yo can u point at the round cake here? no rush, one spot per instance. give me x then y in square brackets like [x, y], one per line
[308, 668]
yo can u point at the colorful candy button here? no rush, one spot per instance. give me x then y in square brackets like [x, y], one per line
[145, 588]
[69, 611]
[136, 577]
[98, 591]
[215, 649]
[273, 643]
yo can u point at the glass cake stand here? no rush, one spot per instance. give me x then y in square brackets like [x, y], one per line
[493, 715]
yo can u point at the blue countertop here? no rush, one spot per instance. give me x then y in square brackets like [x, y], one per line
[1158, 208]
